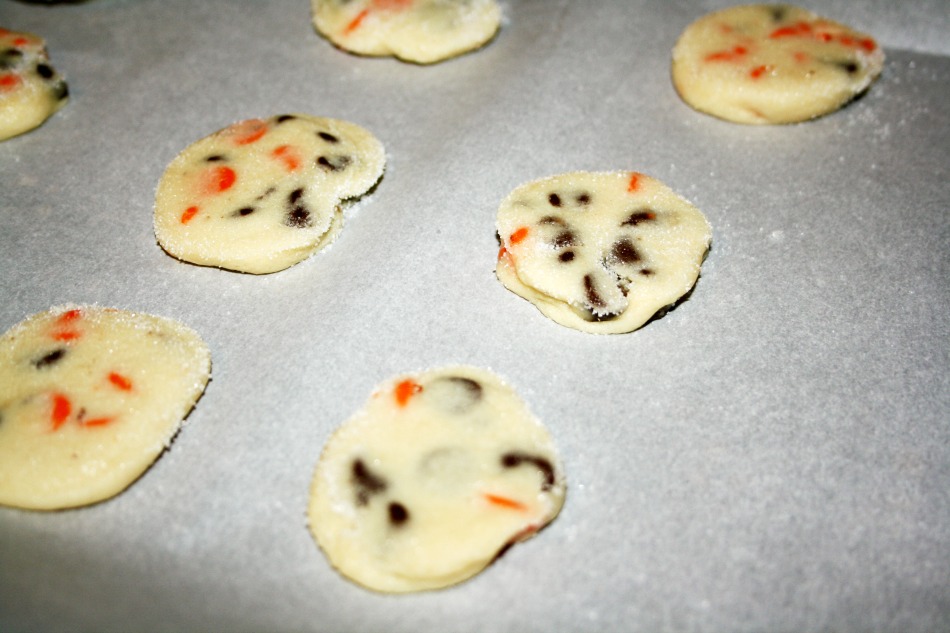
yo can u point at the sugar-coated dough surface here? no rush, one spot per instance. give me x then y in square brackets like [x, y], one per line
[89, 397]
[30, 88]
[264, 194]
[431, 480]
[763, 64]
[421, 31]
[601, 252]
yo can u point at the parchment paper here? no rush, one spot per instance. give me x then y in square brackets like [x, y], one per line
[772, 455]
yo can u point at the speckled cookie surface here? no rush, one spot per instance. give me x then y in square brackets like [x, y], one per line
[600, 252]
[264, 194]
[89, 397]
[420, 31]
[770, 64]
[31, 90]
[436, 475]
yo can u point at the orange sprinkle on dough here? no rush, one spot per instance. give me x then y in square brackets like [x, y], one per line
[736, 53]
[519, 235]
[406, 390]
[392, 4]
[120, 381]
[62, 407]
[634, 183]
[219, 179]
[504, 502]
[9, 81]
[99, 421]
[64, 327]
[289, 156]
[247, 132]
[355, 22]
[758, 71]
[188, 214]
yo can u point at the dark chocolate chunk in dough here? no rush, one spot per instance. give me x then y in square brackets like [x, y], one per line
[334, 163]
[50, 359]
[366, 482]
[398, 514]
[517, 458]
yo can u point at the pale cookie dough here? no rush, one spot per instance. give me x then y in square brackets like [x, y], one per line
[264, 194]
[31, 91]
[768, 64]
[89, 397]
[420, 31]
[437, 475]
[600, 252]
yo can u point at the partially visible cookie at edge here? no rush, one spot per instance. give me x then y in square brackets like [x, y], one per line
[600, 252]
[31, 90]
[772, 64]
[264, 194]
[89, 398]
[419, 31]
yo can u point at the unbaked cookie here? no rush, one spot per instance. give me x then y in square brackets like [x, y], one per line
[601, 252]
[31, 90]
[264, 194]
[764, 64]
[420, 31]
[89, 397]
[438, 474]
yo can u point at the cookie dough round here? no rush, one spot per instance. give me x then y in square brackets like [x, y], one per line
[771, 64]
[438, 474]
[90, 397]
[264, 194]
[600, 252]
[420, 31]
[31, 90]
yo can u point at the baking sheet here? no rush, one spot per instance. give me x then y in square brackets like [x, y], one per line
[774, 454]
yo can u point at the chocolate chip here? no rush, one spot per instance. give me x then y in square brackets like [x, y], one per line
[244, 211]
[60, 90]
[593, 298]
[367, 483]
[778, 13]
[637, 217]
[329, 138]
[214, 158]
[555, 200]
[457, 394]
[10, 57]
[646, 272]
[50, 359]
[625, 252]
[44, 71]
[267, 192]
[517, 458]
[398, 514]
[552, 219]
[285, 117]
[566, 256]
[583, 199]
[565, 238]
[334, 163]
[298, 215]
[848, 66]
